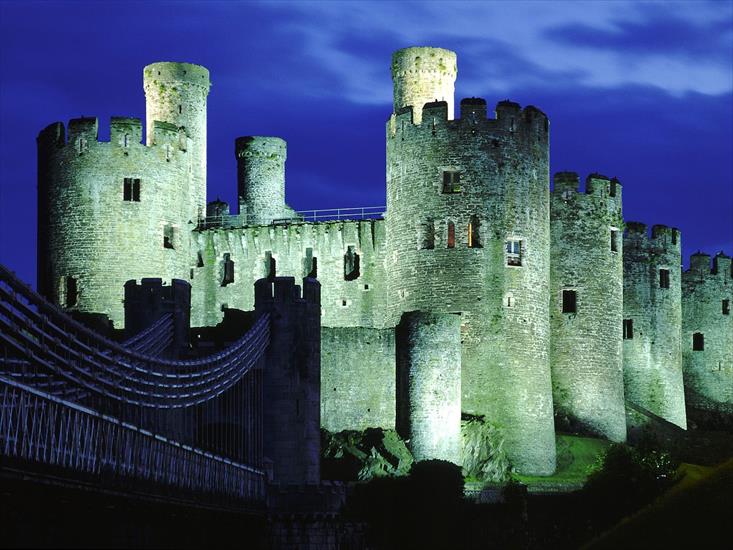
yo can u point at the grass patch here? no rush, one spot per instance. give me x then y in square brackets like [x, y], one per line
[577, 458]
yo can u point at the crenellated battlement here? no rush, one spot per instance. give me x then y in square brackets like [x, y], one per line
[125, 133]
[284, 289]
[662, 238]
[169, 73]
[599, 189]
[700, 267]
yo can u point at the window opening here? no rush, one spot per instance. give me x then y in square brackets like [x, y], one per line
[169, 234]
[664, 278]
[228, 270]
[71, 291]
[614, 240]
[270, 266]
[351, 264]
[311, 264]
[451, 235]
[726, 307]
[427, 235]
[628, 329]
[514, 253]
[509, 300]
[569, 301]
[199, 259]
[698, 342]
[451, 181]
[131, 189]
[474, 239]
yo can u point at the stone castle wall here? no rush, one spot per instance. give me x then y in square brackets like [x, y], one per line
[88, 231]
[652, 353]
[586, 258]
[708, 372]
[447, 253]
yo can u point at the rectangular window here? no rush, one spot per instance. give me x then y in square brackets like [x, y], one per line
[131, 190]
[427, 235]
[169, 237]
[698, 342]
[614, 240]
[270, 266]
[726, 307]
[71, 291]
[474, 234]
[451, 235]
[514, 253]
[228, 270]
[451, 181]
[664, 278]
[351, 264]
[569, 301]
[628, 329]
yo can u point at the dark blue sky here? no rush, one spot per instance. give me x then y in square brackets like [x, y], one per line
[641, 91]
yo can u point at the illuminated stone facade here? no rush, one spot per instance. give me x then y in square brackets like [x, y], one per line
[531, 288]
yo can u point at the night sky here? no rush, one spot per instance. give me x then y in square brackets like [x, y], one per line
[640, 91]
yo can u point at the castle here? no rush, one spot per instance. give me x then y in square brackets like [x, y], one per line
[480, 291]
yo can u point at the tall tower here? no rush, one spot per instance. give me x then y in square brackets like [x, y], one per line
[176, 93]
[261, 178]
[423, 75]
[468, 232]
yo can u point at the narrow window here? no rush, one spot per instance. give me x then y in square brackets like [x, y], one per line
[351, 264]
[451, 182]
[614, 240]
[169, 237]
[664, 278]
[82, 145]
[199, 259]
[628, 329]
[451, 235]
[569, 301]
[698, 342]
[270, 266]
[180, 109]
[126, 140]
[509, 300]
[514, 252]
[131, 190]
[427, 235]
[726, 307]
[71, 291]
[228, 270]
[612, 188]
[136, 190]
[474, 239]
[311, 264]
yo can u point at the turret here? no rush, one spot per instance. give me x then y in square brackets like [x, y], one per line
[176, 93]
[422, 75]
[261, 179]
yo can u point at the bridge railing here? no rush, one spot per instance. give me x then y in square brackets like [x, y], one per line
[41, 429]
[229, 221]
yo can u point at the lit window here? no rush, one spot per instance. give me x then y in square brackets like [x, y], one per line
[451, 235]
[569, 301]
[474, 237]
[698, 342]
[514, 253]
[451, 181]
[664, 278]
[628, 329]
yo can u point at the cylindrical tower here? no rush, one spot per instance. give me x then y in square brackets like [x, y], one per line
[707, 333]
[653, 321]
[423, 75]
[261, 178]
[176, 93]
[586, 269]
[468, 231]
[429, 384]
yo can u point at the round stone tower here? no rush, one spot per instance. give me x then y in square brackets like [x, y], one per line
[586, 305]
[468, 231]
[261, 178]
[653, 321]
[422, 75]
[429, 384]
[176, 93]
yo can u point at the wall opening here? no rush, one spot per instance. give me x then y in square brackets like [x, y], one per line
[169, 236]
[270, 266]
[614, 240]
[698, 342]
[71, 291]
[131, 190]
[508, 300]
[726, 307]
[227, 270]
[426, 235]
[514, 253]
[451, 182]
[451, 235]
[199, 259]
[664, 278]
[310, 264]
[628, 329]
[474, 238]
[612, 188]
[569, 301]
[351, 264]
